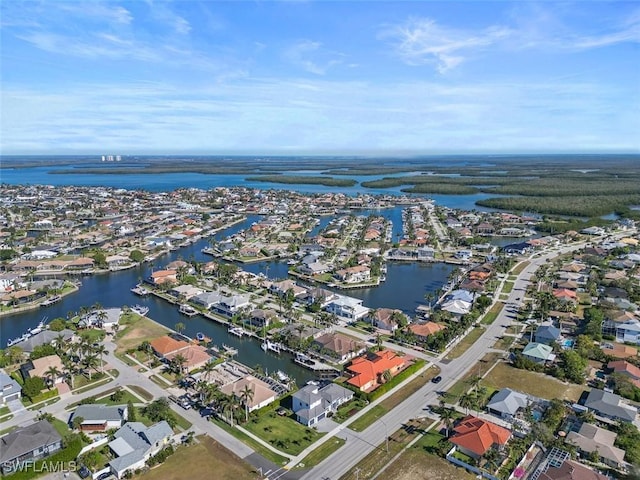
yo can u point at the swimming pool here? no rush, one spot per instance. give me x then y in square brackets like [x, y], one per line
[568, 343]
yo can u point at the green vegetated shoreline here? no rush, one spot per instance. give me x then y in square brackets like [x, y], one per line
[304, 180]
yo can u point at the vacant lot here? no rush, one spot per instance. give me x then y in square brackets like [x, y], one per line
[137, 332]
[283, 433]
[416, 465]
[198, 461]
[533, 383]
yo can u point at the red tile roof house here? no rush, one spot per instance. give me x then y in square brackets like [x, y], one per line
[163, 276]
[368, 370]
[474, 436]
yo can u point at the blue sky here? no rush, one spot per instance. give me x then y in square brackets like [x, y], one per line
[317, 77]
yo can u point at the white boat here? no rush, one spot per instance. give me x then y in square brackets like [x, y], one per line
[291, 262]
[140, 310]
[283, 377]
[188, 310]
[237, 331]
[38, 328]
[271, 346]
[140, 290]
[50, 301]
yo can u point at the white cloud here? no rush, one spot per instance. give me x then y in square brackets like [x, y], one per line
[421, 41]
[312, 57]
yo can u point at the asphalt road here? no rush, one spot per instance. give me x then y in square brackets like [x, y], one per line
[358, 445]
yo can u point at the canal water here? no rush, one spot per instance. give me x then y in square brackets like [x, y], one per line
[404, 289]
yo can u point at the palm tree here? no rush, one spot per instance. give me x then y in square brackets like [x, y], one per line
[179, 362]
[90, 361]
[52, 374]
[447, 418]
[228, 404]
[100, 350]
[467, 401]
[70, 371]
[180, 327]
[246, 395]
[207, 368]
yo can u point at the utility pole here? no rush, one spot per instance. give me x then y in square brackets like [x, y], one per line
[386, 435]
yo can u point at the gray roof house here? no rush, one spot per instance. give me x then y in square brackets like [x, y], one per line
[9, 389]
[539, 352]
[507, 402]
[98, 418]
[135, 443]
[313, 402]
[42, 338]
[207, 299]
[547, 334]
[33, 442]
[591, 438]
[610, 405]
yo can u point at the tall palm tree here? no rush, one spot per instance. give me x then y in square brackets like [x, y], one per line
[179, 362]
[70, 371]
[52, 374]
[180, 327]
[246, 395]
[100, 350]
[228, 404]
[207, 368]
[447, 418]
[90, 361]
[467, 401]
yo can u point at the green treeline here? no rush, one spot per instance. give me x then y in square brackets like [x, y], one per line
[584, 206]
[304, 180]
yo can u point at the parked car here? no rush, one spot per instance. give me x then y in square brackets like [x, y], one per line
[436, 379]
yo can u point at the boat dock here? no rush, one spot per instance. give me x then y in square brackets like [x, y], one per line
[323, 370]
[50, 301]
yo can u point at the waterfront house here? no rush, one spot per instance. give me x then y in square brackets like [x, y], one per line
[262, 318]
[338, 346]
[313, 402]
[166, 345]
[456, 307]
[135, 443]
[368, 370]
[538, 352]
[347, 307]
[314, 268]
[263, 394]
[99, 418]
[474, 436]
[281, 288]
[591, 438]
[44, 338]
[160, 277]
[185, 291]
[29, 443]
[321, 296]
[610, 405]
[207, 299]
[357, 274]
[10, 390]
[387, 319]
[230, 305]
[195, 356]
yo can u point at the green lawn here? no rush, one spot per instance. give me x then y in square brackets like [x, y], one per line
[320, 453]
[507, 287]
[284, 433]
[61, 427]
[142, 392]
[349, 409]
[520, 267]
[373, 414]
[480, 368]
[45, 395]
[92, 335]
[504, 343]
[465, 343]
[492, 314]
[256, 446]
